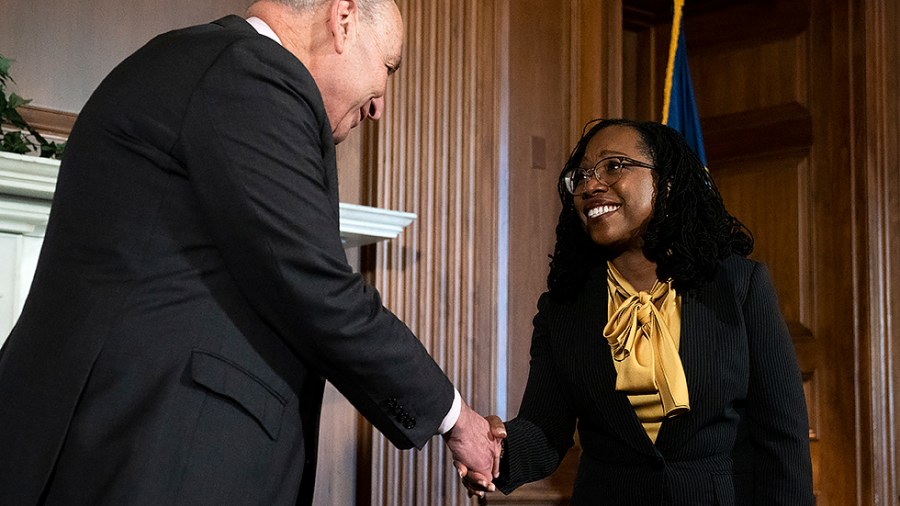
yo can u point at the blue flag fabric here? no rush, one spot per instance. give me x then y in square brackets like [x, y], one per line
[680, 107]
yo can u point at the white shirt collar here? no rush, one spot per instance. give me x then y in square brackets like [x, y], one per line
[263, 29]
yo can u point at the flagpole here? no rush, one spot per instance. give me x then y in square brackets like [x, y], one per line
[670, 66]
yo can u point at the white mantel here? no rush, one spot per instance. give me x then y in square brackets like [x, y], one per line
[27, 184]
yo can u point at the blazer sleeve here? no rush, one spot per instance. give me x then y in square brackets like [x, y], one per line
[252, 145]
[539, 437]
[776, 407]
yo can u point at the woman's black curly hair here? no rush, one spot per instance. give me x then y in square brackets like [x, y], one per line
[689, 232]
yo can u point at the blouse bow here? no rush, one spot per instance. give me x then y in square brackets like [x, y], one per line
[644, 350]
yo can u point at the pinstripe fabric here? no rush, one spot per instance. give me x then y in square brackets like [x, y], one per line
[745, 440]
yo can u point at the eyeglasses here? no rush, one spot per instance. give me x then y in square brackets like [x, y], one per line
[608, 171]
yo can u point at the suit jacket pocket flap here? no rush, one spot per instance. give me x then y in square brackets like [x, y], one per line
[225, 377]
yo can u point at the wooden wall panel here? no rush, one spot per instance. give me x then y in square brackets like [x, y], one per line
[743, 78]
[433, 154]
[539, 107]
[769, 196]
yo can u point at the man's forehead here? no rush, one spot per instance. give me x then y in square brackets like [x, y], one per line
[392, 27]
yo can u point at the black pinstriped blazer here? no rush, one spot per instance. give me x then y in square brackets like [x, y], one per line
[745, 440]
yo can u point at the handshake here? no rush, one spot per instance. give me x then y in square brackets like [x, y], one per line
[476, 445]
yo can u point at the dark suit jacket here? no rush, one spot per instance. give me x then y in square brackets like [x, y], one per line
[193, 292]
[745, 440]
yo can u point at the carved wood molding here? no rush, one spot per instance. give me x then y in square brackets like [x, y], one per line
[49, 121]
[877, 148]
[785, 127]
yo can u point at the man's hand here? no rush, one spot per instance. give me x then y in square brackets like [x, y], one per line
[475, 483]
[476, 452]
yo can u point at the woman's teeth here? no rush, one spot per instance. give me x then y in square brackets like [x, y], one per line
[600, 210]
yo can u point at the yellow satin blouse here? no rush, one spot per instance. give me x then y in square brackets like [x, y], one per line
[643, 331]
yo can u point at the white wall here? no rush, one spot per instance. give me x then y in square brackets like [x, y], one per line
[18, 258]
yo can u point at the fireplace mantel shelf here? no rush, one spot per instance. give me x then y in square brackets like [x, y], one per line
[27, 184]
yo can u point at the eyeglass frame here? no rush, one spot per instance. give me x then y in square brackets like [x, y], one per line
[593, 172]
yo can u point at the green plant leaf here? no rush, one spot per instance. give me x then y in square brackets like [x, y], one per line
[5, 63]
[52, 149]
[16, 101]
[25, 139]
[17, 143]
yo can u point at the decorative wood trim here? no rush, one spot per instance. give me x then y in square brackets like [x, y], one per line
[49, 121]
[783, 20]
[27, 184]
[595, 46]
[785, 127]
[877, 144]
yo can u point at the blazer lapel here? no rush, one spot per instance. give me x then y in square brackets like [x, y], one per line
[596, 364]
[690, 350]
[708, 316]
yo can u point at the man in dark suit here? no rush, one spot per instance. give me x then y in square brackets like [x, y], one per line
[192, 295]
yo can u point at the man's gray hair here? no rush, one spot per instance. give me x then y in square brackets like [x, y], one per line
[367, 8]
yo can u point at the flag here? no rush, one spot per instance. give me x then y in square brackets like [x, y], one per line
[679, 107]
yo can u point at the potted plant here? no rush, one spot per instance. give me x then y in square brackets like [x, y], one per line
[16, 135]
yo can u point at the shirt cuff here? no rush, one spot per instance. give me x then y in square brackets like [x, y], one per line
[452, 415]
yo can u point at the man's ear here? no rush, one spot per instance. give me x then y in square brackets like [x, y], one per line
[342, 20]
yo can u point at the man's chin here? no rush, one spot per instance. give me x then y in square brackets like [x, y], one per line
[340, 133]
[339, 136]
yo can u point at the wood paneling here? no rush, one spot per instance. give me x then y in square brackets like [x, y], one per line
[876, 146]
[776, 97]
[595, 44]
[548, 61]
[797, 98]
[802, 140]
[433, 154]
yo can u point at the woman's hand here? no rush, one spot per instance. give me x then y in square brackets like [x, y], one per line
[475, 483]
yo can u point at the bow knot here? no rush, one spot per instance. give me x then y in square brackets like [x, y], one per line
[644, 350]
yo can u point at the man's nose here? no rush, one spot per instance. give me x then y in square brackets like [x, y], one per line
[376, 108]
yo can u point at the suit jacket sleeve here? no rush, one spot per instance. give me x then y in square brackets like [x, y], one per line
[256, 145]
[776, 408]
[539, 437]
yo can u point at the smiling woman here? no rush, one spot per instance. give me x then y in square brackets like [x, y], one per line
[659, 339]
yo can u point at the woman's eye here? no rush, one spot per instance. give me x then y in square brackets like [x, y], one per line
[614, 165]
